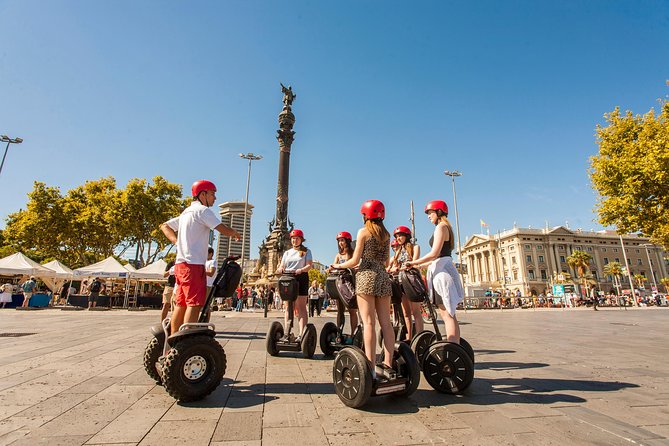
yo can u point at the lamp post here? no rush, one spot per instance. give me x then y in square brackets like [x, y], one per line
[8, 140]
[629, 272]
[454, 174]
[250, 157]
[650, 265]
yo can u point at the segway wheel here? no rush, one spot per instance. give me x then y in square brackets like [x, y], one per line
[447, 368]
[420, 343]
[151, 356]
[352, 377]
[468, 348]
[274, 334]
[193, 368]
[328, 336]
[407, 366]
[309, 341]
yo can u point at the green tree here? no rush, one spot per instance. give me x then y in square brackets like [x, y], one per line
[640, 280]
[316, 275]
[665, 281]
[614, 269]
[143, 208]
[631, 173]
[580, 261]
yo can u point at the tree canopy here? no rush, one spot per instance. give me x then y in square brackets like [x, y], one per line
[94, 221]
[631, 173]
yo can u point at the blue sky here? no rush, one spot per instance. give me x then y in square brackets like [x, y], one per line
[389, 95]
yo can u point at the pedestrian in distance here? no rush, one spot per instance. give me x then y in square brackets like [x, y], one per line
[313, 297]
[372, 283]
[94, 292]
[210, 270]
[6, 294]
[407, 251]
[190, 233]
[298, 260]
[443, 280]
[28, 287]
[345, 253]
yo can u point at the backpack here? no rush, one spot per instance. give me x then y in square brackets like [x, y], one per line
[227, 279]
[96, 286]
[413, 285]
[340, 284]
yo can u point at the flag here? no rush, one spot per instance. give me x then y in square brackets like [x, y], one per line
[484, 223]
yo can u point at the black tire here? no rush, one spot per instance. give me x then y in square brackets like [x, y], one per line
[468, 348]
[151, 355]
[352, 377]
[407, 366]
[193, 368]
[328, 336]
[309, 341]
[447, 368]
[274, 334]
[420, 343]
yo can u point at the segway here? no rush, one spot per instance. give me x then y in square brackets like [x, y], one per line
[340, 285]
[447, 367]
[190, 363]
[399, 325]
[276, 340]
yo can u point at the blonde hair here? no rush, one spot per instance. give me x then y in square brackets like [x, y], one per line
[442, 218]
[408, 247]
[378, 231]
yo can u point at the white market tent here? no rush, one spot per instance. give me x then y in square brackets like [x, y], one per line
[62, 271]
[19, 264]
[109, 267]
[153, 271]
[62, 274]
[129, 267]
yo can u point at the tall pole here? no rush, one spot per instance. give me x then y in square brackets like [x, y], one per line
[650, 265]
[8, 140]
[454, 174]
[250, 157]
[629, 272]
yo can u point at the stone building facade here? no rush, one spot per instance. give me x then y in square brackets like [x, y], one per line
[528, 259]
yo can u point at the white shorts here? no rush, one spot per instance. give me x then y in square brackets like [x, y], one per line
[443, 283]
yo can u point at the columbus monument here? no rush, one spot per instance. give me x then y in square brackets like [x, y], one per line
[278, 240]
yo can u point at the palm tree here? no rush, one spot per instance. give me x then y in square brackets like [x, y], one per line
[665, 281]
[580, 261]
[640, 279]
[614, 269]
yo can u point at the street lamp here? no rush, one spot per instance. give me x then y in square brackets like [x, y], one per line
[250, 157]
[454, 174]
[629, 272]
[8, 140]
[650, 265]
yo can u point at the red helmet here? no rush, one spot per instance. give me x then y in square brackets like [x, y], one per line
[202, 186]
[394, 243]
[436, 205]
[297, 233]
[373, 209]
[344, 234]
[402, 230]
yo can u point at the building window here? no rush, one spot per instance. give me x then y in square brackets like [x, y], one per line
[513, 260]
[590, 248]
[603, 249]
[541, 259]
[540, 247]
[530, 274]
[594, 274]
[543, 275]
[617, 260]
[529, 259]
[638, 261]
[637, 251]
[528, 246]
[562, 260]
[561, 247]
[515, 275]
[616, 250]
[578, 248]
[511, 248]
[606, 260]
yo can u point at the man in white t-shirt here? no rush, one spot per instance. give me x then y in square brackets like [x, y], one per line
[190, 233]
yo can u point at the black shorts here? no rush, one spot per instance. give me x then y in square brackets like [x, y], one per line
[93, 297]
[302, 284]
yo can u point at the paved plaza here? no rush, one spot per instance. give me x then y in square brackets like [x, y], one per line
[542, 377]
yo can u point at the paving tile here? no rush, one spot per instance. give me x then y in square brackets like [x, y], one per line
[238, 426]
[179, 433]
[289, 436]
[402, 429]
[290, 415]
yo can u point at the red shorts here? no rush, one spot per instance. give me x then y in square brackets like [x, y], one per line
[191, 289]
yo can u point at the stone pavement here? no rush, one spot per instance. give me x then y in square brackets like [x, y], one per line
[542, 377]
